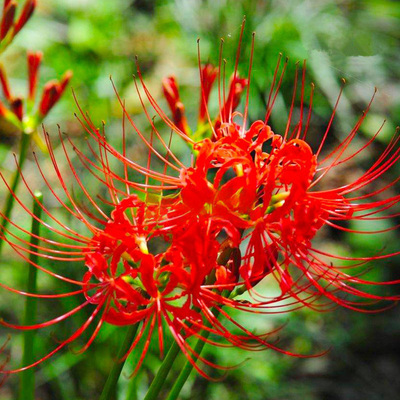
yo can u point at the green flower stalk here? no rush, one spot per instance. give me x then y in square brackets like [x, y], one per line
[27, 382]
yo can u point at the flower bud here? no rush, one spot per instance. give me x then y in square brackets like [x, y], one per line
[52, 92]
[8, 18]
[236, 88]
[4, 84]
[34, 60]
[208, 75]
[26, 13]
[171, 93]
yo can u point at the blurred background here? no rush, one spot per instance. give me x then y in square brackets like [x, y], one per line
[351, 39]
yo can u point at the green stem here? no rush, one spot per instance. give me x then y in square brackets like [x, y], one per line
[162, 373]
[25, 140]
[159, 380]
[132, 389]
[187, 368]
[174, 351]
[27, 382]
[112, 380]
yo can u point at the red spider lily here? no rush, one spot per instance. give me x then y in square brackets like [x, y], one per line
[272, 197]
[237, 214]
[123, 281]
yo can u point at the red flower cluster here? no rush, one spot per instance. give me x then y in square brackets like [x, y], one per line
[246, 208]
[52, 92]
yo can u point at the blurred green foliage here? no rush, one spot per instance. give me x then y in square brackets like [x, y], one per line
[357, 40]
